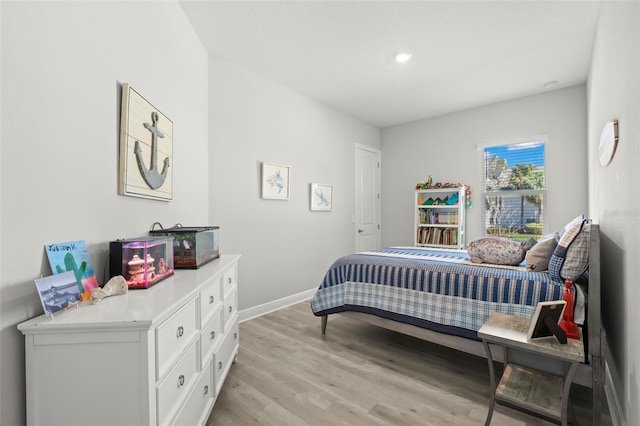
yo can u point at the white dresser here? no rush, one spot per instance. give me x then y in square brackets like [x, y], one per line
[150, 357]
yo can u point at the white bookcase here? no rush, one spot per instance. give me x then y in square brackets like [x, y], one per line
[440, 217]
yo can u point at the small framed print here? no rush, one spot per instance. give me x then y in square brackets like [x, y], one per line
[545, 319]
[321, 197]
[275, 181]
[58, 292]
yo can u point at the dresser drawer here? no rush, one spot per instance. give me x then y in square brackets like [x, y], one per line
[229, 280]
[202, 395]
[230, 308]
[226, 354]
[173, 335]
[176, 385]
[210, 300]
[210, 337]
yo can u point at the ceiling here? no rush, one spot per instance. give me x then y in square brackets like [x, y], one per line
[465, 53]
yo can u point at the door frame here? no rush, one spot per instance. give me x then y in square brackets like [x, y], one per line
[358, 149]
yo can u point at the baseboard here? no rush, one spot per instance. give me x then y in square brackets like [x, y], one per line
[615, 408]
[265, 308]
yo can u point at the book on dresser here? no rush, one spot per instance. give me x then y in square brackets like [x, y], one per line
[440, 217]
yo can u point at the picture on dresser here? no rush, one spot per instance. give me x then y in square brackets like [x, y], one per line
[73, 256]
[58, 292]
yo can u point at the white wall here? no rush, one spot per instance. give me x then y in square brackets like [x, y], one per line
[446, 148]
[614, 195]
[62, 66]
[285, 247]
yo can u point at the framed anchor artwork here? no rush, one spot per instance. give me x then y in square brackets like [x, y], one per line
[146, 149]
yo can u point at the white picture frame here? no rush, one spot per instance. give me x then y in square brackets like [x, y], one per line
[58, 292]
[275, 181]
[320, 197]
[551, 309]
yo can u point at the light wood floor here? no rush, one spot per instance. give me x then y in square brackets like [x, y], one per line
[287, 373]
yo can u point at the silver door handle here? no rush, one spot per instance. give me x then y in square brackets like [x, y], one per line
[360, 231]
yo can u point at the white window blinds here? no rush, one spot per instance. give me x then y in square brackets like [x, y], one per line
[514, 190]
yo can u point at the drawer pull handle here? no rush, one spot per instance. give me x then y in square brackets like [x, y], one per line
[213, 335]
[220, 365]
[211, 299]
[206, 389]
[230, 309]
[229, 280]
[181, 380]
[180, 332]
[235, 336]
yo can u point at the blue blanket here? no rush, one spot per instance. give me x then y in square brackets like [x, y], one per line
[438, 289]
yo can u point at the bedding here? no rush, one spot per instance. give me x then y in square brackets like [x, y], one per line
[437, 289]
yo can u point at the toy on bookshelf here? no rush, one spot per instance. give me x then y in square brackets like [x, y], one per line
[428, 184]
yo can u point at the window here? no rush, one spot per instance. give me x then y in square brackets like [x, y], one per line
[514, 190]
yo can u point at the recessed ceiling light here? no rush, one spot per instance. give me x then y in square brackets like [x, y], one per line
[403, 57]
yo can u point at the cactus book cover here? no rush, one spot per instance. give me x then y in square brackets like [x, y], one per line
[73, 257]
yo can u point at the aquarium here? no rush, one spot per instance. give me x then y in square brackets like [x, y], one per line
[142, 261]
[193, 246]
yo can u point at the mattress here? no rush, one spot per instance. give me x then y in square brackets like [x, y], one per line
[437, 289]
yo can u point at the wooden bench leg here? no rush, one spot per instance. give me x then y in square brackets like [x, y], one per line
[323, 324]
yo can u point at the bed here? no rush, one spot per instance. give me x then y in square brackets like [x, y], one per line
[441, 296]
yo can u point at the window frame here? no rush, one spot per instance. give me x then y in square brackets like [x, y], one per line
[513, 192]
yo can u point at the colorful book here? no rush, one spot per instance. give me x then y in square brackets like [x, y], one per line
[73, 256]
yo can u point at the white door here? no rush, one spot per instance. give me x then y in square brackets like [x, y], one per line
[367, 218]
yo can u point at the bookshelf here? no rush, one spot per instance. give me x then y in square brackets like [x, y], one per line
[440, 217]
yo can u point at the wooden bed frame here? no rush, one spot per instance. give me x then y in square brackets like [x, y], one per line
[591, 375]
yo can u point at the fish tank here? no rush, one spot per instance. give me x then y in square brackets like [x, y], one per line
[143, 261]
[193, 246]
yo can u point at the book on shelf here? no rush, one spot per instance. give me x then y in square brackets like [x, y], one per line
[431, 217]
[437, 236]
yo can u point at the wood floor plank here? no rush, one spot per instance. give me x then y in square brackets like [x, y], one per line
[288, 373]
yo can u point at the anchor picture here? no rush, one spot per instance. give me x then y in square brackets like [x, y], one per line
[151, 175]
[146, 149]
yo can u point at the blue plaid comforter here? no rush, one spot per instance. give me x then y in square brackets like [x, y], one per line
[438, 289]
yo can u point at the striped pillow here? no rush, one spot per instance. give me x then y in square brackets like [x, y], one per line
[571, 256]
